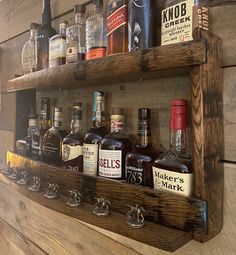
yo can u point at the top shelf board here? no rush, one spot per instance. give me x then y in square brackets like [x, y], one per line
[151, 63]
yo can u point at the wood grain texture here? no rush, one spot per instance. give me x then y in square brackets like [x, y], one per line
[14, 243]
[161, 207]
[208, 142]
[155, 235]
[7, 141]
[116, 68]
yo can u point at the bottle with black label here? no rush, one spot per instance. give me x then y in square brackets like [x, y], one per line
[179, 18]
[72, 144]
[138, 163]
[113, 148]
[51, 145]
[140, 24]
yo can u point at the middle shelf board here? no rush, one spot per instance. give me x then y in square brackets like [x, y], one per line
[147, 64]
[161, 207]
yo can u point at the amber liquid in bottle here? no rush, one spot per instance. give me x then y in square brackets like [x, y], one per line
[173, 171]
[117, 26]
[113, 148]
[139, 162]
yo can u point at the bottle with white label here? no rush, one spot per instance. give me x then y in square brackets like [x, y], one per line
[94, 136]
[113, 148]
[179, 18]
[172, 171]
[57, 47]
[72, 144]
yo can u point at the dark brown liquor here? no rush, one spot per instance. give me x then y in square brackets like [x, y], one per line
[44, 33]
[139, 162]
[51, 145]
[172, 171]
[72, 144]
[94, 135]
[117, 26]
[113, 148]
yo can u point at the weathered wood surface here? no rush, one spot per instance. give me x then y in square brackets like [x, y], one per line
[7, 141]
[14, 243]
[116, 68]
[161, 207]
[152, 234]
[208, 141]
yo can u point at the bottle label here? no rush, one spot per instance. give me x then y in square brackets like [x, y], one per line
[96, 53]
[57, 49]
[135, 175]
[177, 23]
[32, 122]
[72, 44]
[178, 183]
[110, 163]
[90, 158]
[117, 19]
[50, 151]
[70, 152]
[116, 125]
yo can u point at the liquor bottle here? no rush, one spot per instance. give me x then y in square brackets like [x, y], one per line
[37, 136]
[51, 145]
[57, 47]
[94, 135]
[75, 36]
[117, 26]
[28, 51]
[113, 148]
[44, 33]
[172, 171]
[140, 24]
[72, 144]
[96, 40]
[138, 165]
[179, 18]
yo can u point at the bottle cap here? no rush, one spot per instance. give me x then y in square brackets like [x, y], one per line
[98, 4]
[98, 93]
[178, 114]
[80, 8]
[144, 113]
[32, 114]
[34, 25]
[63, 24]
[117, 111]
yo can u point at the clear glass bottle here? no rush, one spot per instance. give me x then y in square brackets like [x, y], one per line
[179, 18]
[57, 47]
[28, 56]
[72, 144]
[37, 136]
[138, 164]
[43, 35]
[94, 136]
[51, 145]
[172, 171]
[96, 39]
[113, 148]
[140, 24]
[117, 26]
[75, 36]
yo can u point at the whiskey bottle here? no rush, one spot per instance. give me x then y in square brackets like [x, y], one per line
[139, 162]
[94, 135]
[37, 136]
[179, 18]
[113, 148]
[117, 26]
[96, 40]
[172, 171]
[57, 47]
[75, 36]
[72, 144]
[51, 145]
[140, 24]
[44, 33]
[28, 51]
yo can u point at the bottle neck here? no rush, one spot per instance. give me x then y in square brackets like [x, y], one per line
[46, 14]
[98, 119]
[76, 126]
[117, 122]
[144, 133]
[79, 18]
[97, 8]
[32, 34]
[178, 140]
[62, 30]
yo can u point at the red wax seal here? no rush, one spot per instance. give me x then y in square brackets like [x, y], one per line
[178, 119]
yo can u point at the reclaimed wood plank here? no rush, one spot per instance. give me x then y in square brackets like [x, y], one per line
[152, 234]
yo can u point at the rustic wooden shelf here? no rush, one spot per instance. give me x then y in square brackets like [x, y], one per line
[144, 64]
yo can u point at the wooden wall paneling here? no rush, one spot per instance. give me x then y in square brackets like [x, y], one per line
[7, 142]
[7, 113]
[14, 243]
[208, 142]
